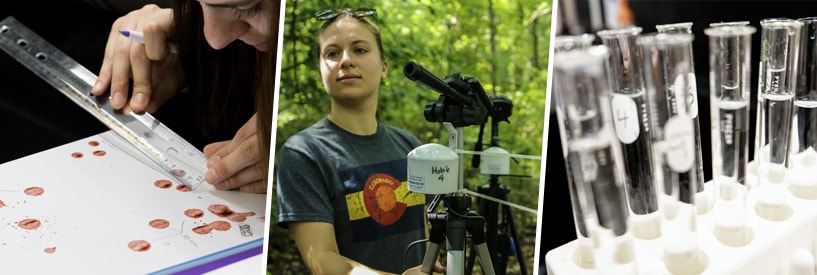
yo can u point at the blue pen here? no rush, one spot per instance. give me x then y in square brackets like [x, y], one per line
[137, 37]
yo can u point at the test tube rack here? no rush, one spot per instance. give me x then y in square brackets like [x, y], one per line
[786, 247]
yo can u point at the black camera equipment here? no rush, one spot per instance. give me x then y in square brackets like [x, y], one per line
[463, 102]
[501, 234]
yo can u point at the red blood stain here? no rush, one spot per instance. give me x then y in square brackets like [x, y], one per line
[2, 204]
[76, 155]
[220, 210]
[93, 143]
[50, 250]
[34, 191]
[139, 245]
[159, 223]
[194, 213]
[207, 228]
[164, 184]
[178, 172]
[99, 153]
[29, 224]
[225, 212]
[182, 188]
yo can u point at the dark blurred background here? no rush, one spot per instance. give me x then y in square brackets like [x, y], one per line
[556, 217]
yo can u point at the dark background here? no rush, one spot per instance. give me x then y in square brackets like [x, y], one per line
[36, 116]
[556, 217]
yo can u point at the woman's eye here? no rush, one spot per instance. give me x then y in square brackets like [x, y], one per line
[332, 54]
[361, 50]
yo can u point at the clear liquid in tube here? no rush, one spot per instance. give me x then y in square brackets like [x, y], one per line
[776, 118]
[689, 182]
[592, 165]
[806, 119]
[637, 155]
[693, 179]
[733, 121]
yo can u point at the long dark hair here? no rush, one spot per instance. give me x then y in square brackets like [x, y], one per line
[228, 85]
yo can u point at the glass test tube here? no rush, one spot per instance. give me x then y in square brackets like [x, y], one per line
[668, 105]
[804, 146]
[751, 166]
[583, 255]
[666, 67]
[729, 74]
[569, 42]
[682, 27]
[692, 110]
[593, 155]
[730, 23]
[629, 108]
[779, 50]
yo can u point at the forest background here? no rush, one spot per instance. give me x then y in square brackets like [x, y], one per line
[502, 44]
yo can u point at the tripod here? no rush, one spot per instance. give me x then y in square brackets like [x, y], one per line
[451, 226]
[500, 236]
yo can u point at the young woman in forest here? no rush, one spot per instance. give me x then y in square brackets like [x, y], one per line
[341, 182]
[221, 81]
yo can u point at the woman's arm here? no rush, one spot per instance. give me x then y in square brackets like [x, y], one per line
[319, 250]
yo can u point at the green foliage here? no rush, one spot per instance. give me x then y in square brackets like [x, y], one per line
[445, 37]
[503, 44]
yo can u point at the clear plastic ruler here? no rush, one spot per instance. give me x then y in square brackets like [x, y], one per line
[173, 155]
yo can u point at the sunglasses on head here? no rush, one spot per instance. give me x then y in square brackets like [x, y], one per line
[356, 12]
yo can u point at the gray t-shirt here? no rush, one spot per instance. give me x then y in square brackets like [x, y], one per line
[358, 184]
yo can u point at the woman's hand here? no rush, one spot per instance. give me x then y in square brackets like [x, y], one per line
[156, 73]
[237, 163]
[417, 270]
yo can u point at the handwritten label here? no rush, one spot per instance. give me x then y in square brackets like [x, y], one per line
[692, 96]
[679, 145]
[687, 89]
[190, 240]
[625, 118]
[440, 170]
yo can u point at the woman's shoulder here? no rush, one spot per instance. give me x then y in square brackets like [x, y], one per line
[309, 135]
[401, 133]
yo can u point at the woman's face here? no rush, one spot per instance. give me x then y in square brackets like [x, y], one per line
[247, 20]
[350, 63]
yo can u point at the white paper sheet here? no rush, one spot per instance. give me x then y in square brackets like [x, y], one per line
[87, 207]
